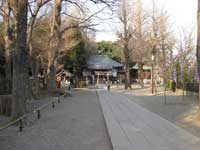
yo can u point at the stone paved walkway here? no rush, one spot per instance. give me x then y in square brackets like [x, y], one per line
[131, 127]
[183, 113]
[75, 124]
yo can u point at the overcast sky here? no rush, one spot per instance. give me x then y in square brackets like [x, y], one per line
[182, 16]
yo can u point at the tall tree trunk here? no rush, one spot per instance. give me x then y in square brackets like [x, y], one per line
[140, 74]
[164, 65]
[126, 38]
[164, 62]
[55, 40]
[8, 46]
[198, 43]
[20, 54]
[127, 73]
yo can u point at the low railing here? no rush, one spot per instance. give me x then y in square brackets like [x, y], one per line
[38, 111]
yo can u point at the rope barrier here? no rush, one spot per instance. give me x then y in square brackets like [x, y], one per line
[38, 111]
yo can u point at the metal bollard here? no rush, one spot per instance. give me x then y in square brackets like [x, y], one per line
[53, 104]
[21, 125]
[58, 99]
[38, 114]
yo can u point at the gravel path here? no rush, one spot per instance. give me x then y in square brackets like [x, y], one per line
[30, 106]
[75, 124]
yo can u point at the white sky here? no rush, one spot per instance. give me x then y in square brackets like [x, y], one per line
[182, 16]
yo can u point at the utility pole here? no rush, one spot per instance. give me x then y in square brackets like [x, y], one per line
[152, 74]
[152, 70]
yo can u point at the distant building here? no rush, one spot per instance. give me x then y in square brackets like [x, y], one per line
[146, 71]
[101, 69]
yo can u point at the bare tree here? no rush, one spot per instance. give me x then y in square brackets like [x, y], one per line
[55, 39]
[8, 39]
[34, 14]
[185, 47]
[125, 37]
[154, 43]
[185, 57]
[138, 44]
[20, 54]
[166, 43]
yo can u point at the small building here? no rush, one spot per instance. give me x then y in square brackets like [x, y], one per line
[101, 69]
[146, 71]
